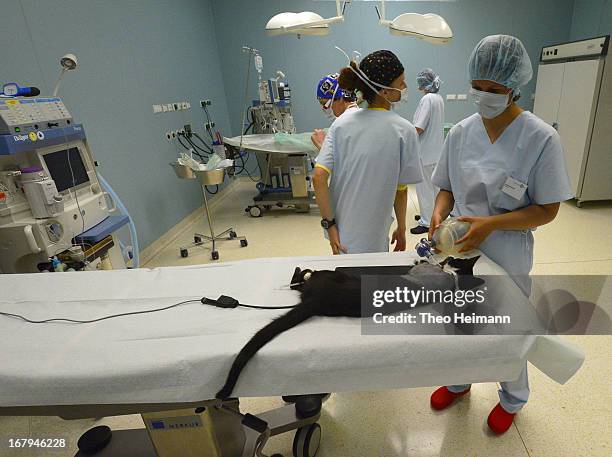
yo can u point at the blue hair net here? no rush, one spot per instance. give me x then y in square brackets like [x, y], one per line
[502, 59]
[328, 85]
[428, 80]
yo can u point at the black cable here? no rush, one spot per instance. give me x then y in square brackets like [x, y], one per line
[206, 145]
[209, 128]
[61, 319]
[267, 307]
[251, 119]
[189, 149]
[195, 146]
[244, 168]
[211, 192]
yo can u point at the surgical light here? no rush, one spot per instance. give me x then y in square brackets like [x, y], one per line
[429, 27]
[304, 23]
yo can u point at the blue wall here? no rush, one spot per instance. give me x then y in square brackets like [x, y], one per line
[131, 54]
[241, 22]
[591, 18]
[135, 53]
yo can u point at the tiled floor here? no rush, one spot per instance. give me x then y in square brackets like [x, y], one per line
[570, 420]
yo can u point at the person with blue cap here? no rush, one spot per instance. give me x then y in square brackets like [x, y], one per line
[428, 120]
[334, 102]
[503, 171]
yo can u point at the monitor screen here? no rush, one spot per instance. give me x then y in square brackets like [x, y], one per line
[60, 169]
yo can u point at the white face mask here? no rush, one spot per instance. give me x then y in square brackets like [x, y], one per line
[329, 113]
[403, 92]
[489, 105]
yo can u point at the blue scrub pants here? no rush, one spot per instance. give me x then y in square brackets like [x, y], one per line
[513, 395]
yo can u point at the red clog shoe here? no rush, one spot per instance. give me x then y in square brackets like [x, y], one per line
[500, 420]
[442, 398]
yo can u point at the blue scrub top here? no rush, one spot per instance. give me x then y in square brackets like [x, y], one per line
[370, 154]
[530, 152]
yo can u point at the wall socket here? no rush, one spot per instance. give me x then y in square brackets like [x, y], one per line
[175, 106]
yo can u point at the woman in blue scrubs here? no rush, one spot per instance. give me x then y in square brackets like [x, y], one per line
[503, 171]
[369, 156]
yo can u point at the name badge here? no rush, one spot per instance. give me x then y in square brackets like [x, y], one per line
[514, 188]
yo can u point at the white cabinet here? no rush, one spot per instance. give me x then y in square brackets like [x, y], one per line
[574, 95]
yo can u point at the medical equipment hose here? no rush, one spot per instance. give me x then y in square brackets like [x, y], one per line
[131, 225]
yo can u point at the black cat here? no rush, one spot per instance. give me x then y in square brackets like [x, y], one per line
[338, 294]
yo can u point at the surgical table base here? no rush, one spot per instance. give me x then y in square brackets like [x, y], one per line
[280, 199]
[212, 428]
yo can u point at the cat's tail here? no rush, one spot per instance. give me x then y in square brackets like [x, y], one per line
[289, 320]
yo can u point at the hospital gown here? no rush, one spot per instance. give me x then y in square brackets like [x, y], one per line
[370, 154]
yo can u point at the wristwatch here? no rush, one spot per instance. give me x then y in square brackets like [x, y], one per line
[327, 224]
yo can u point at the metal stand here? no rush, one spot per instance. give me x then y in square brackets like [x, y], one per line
[200, 239]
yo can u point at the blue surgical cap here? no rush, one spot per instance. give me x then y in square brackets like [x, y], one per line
[428, 80]
[502, 59]
[328, 85]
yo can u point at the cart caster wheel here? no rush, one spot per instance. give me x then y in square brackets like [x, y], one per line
[94, 440]
[184, 252]
[244, 243]
[279, 204]
[197, 239]
[232, 234]
[255, 211]
[215, 255]
[307, 440]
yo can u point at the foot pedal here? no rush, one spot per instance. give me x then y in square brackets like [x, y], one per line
[254, 422]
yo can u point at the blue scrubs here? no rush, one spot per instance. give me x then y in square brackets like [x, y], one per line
[528, 152]
[370, 154]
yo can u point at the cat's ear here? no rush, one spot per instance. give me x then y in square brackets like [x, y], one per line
[463, 266]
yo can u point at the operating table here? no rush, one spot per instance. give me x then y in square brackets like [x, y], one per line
[168, 365]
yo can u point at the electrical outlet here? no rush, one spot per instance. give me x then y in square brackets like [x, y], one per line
[184, 105]
[204, 103]
[209, 125]
[170, 107]
[177, 106]
[157, 109]
[451, 96]
[461, 96]
[164, 108]
[173, 133]
[168, 136]
[188, 105]
[187, 130]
